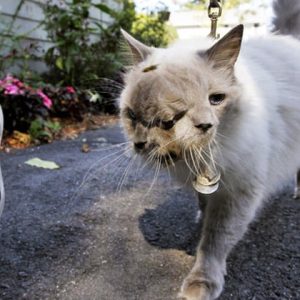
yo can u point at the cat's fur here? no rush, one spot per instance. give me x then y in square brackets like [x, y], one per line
[254, 137]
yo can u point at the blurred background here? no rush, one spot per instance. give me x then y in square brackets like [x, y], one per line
[61, 61]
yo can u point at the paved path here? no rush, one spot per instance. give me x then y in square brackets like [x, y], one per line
[60, 239]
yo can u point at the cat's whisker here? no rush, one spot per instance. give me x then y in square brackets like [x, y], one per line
[211, 156]
[208, 156]
[219, 154]
[110, 147]
[170, 159]
[118, 161]
[121, 154]
[166, 163]
[222, 137]
[157, 169]
[125, 173]
[100, 160]
[102, 83]
[202, 157]
[187, 162]
[139, 167]
[198, 159]
[172, 141]
[193, 160]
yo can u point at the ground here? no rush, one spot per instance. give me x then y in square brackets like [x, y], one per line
[76, 233]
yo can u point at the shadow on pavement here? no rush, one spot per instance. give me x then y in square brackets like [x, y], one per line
[172, 225]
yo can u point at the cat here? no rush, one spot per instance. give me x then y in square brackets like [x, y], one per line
[224, 116]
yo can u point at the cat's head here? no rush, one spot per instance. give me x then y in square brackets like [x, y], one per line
[174, 99]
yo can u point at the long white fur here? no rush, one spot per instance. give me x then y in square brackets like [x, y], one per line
[268, 69]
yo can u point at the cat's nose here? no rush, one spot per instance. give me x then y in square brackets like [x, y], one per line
[204, 126]
[139, 145]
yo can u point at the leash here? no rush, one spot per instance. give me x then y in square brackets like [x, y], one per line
[214, 12]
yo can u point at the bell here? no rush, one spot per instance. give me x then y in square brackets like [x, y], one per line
[208, 181]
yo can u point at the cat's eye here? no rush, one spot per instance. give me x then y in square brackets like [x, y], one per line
[131, 114]
[166, 125]
[216, 99]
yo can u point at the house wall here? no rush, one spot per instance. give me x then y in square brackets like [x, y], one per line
[29, 17]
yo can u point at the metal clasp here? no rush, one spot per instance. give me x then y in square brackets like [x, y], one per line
[214, 12]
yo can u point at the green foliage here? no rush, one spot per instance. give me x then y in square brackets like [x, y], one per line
[153, 30]
[21, 110]
[234, 3]
[69, 29]
[75, 59]
[45, 131]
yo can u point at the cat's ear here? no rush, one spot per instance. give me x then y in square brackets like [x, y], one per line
[225, 52]
[138, 50]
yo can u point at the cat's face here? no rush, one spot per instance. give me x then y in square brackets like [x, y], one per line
[170, 109]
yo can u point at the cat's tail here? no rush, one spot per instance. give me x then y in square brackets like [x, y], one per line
[287, 17]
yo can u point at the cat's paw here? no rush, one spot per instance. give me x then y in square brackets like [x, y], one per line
[194, 289]
[198, 287]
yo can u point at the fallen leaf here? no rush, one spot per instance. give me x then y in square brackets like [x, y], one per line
[40, 163]
[85, 148]
[19, 140]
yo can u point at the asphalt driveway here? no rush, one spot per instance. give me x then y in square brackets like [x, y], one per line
[91, 230]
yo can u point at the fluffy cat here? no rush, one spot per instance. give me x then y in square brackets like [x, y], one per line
[227, 112]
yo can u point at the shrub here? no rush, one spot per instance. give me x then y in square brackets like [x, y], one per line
[153, 30]
[74, 59]
[21, 104]
[41, 130]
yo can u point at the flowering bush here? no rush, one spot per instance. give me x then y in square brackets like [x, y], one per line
[26, 107]
[67, 102]
[13, 86]
[22, 104]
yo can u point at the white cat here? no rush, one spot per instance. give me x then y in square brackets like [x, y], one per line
[228, 114]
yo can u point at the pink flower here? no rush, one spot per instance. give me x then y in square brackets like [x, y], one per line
[46, 100]
[8, 78]
[70, 89]
[11, 89]
[13, 86]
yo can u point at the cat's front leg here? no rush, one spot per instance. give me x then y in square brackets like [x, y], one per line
[226, 219]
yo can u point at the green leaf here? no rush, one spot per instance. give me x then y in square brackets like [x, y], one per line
[39, 163]
[59, 63]
[68, 64]
[106, 9]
